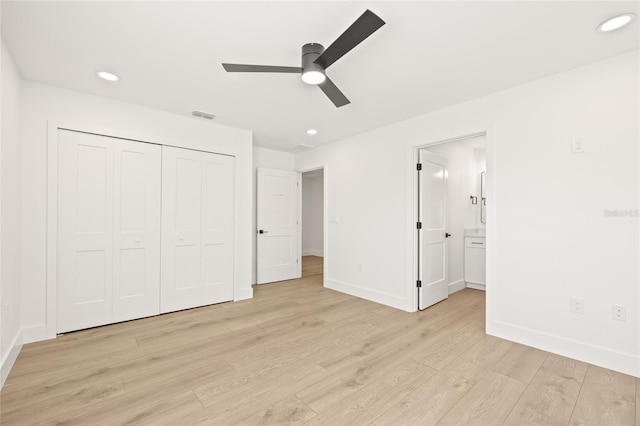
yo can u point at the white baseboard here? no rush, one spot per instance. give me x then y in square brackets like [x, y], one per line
[596, 355]
[477, 286]
[368, 294]
[456, 286]
[35, 333]
[245, 293]
[311, 252]
[10, 358]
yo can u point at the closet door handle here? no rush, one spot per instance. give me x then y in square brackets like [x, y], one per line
[447, 235]
[262, 231]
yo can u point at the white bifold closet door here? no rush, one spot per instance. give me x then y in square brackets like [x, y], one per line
[108, 230]
[197, 228]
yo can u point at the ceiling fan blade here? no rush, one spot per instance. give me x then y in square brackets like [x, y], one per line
[332, 91]
[260, 68]
[363, 27]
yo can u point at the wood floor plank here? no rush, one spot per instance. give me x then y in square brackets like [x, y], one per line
[251, 398]
[373, 399]
[290, 411]
[638, 401]
[131, 409]
[431, 401]
[521, 363]
[444, 350]
[414, 331]
[551, 396]
[487, 403]
[313, 345]
[226, 390]
[58, 399]
[312, 265]
[606, 398]
[365, 362]
[298, 352]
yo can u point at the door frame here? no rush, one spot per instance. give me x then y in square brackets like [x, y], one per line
[413, 157]
[325, 217]
[49, 329]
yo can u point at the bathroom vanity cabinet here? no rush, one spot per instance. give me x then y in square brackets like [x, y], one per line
[475, 261]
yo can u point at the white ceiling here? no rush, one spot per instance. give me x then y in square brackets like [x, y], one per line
[428, 56]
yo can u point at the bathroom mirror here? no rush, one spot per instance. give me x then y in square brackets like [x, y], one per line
[483, 199]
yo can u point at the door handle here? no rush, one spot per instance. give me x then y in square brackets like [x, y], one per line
[262, 231]
[447, 235]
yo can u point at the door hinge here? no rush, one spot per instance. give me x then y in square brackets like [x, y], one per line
[296, 260]
[419, 225]
[419, 166]
[418, 283]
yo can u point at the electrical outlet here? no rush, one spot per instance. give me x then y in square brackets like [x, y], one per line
[577, 305]
[619, 313]
[577, 145]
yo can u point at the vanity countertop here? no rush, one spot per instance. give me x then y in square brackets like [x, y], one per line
[475, 232]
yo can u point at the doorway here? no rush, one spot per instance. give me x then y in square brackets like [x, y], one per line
[452, 201]
[312, 215]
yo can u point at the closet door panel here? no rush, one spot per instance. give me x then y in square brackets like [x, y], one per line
[217, 228]
[181, 223]
[85, 230]
[136, 270]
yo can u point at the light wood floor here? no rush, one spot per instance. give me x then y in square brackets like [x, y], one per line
[300, 354]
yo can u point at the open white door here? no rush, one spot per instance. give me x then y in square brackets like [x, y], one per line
[278, 226]
[432, 270]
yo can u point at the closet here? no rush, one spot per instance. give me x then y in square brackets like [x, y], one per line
[197, 228]
[142, 229]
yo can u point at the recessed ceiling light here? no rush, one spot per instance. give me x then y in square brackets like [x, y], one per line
[616, 22]
[312, 132]
[109, 76]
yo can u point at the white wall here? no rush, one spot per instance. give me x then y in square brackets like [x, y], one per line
[547, 233]
[40, 104]
[462, 183]
[312, 214]
[10, 332]
[268, 159]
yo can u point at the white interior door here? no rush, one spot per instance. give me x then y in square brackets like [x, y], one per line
[197, 228]
[217, 228]
[278, 226]
[108, 230]
[136, 222]
[433, 235]
[85, 230]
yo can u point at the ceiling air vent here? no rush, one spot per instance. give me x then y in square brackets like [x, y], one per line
[302, 147]
[204, 115]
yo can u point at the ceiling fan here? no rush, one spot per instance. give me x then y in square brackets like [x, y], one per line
[316, 59]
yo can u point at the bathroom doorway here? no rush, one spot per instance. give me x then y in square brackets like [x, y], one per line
[452, 204]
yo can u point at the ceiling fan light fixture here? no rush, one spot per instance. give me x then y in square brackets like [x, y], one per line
[616, 22]
[313, 77]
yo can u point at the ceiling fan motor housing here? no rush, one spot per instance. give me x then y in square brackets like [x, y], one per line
[310, 52]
